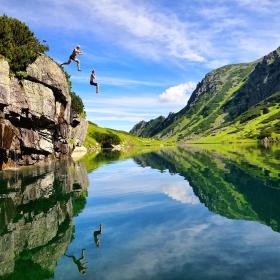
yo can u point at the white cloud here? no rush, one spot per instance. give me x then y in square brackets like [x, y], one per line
[151, 32]
[178, 94]
[142, 29]
[204, 32]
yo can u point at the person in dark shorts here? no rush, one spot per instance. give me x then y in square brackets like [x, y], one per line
[73, 57]
[93, 80]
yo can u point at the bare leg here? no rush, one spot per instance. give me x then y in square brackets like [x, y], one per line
[97, 88]
[66, 63]
[78, 63]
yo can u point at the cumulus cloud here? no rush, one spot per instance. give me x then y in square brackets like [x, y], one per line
[178, 94]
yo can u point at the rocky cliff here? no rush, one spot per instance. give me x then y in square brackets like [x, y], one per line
[233, 103]
[36, 118]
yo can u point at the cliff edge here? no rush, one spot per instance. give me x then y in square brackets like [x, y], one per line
[36, 118]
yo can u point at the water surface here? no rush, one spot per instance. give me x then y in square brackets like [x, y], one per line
[186, 213]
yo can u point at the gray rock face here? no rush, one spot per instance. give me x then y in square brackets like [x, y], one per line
[40, 100]
[79, 132]
[35, 119]
[46, 71]
[4, 82]
[262, 83]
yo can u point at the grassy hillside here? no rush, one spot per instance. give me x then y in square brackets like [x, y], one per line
[99, 137]
[260, 121]
[235, 103]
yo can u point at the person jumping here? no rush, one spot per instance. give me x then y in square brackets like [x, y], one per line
[93, 80]
[73, 57]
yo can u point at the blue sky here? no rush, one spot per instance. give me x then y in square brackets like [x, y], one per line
[148, 55]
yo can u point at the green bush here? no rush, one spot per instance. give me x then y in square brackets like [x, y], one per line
[18, 44]
[265, 110]
[77, 103]
[106, 140]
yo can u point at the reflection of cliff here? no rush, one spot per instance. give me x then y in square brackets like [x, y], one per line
[36, 210]
[227, 187]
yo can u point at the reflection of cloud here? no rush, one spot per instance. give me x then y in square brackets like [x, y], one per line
[181, 191]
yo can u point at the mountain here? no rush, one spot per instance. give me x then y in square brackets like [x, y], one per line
[238, 102]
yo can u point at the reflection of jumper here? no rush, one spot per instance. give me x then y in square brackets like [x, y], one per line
[96, 236]
[93, 80]
[81, 264]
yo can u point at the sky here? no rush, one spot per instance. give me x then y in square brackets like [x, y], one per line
[148, 54]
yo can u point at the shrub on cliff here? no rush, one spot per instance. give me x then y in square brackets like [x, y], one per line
[18, 43]
[77, 103]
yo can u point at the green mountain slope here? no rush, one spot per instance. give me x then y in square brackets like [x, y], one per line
[233, 103]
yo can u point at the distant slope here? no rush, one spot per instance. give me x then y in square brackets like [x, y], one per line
[98, 137]
[233, 103]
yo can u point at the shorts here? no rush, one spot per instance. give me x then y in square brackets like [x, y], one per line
[72, 57]
[93, 83]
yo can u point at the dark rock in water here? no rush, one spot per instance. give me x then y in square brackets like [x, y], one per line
[35, 121]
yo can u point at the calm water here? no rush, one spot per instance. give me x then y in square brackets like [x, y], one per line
[187, 213]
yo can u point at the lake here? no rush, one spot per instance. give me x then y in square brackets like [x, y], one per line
[193, 212]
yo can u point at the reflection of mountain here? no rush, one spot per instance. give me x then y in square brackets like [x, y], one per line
[36, 209]
[233, 188]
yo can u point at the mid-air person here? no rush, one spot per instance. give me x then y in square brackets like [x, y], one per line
[73, 57]
[93, 81]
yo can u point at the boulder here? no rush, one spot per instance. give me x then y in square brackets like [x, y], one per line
[46, 71]
[40, 100]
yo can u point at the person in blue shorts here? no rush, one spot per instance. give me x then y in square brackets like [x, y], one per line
[93, 81]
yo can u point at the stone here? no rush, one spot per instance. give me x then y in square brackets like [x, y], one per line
[78, 133]
[46, 141]
[30, 138]
[4, 82]
[40, 100]
[18, 103]
[47, 71]
[9, 136]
